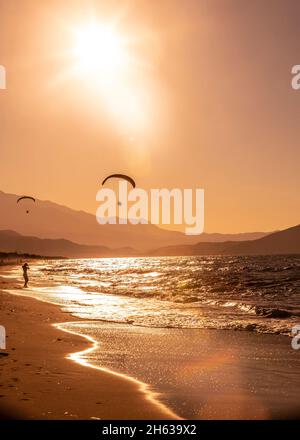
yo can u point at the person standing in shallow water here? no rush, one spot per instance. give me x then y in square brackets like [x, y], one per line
[25, 268]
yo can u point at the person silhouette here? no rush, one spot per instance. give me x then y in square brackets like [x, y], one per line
[25, 268]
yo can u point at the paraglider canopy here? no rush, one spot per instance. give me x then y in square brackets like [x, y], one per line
[26, 198]
[120, 176]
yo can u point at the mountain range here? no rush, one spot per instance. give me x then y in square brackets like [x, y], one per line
[48, 220]
[52, 230]
[282, 242]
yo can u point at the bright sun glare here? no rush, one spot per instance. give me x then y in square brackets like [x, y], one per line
[107, 61]
[100, 49]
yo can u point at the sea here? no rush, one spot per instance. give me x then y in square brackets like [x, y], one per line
[250, 293]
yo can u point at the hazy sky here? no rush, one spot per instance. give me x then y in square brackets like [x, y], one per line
[206, 102]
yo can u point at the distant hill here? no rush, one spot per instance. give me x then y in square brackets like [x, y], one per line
[220, 238]
[8, 258]
[281, 242]
[52, 221]
[13, 242]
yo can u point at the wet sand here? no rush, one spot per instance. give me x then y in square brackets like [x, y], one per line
[202, 374]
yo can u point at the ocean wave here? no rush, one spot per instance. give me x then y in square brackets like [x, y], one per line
[260, 294]
[275, 313]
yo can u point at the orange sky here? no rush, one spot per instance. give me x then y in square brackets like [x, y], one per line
[214, 107]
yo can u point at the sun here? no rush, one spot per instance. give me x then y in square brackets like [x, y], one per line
[108, 63]
[100, 50]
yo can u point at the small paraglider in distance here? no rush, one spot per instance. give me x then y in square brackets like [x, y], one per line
[120, 176]
[26, 198]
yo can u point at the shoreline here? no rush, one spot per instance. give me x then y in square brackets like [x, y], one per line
[195, 373]
[41, 380]
[145, 388]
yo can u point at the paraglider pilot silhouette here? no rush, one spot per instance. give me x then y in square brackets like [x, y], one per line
[26, 198]
[25, 268]
[120, 176]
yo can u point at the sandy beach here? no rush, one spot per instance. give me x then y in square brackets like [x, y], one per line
[62, 367]
[39, 382]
